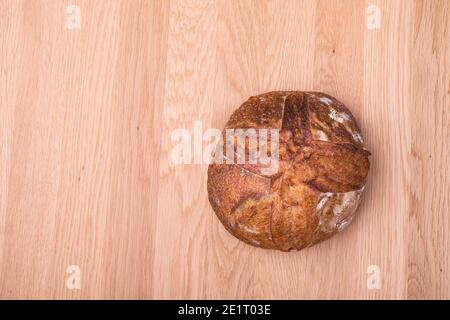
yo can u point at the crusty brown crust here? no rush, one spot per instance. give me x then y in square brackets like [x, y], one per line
[323, 165]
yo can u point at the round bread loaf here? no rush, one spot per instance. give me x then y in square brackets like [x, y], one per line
[321, 172]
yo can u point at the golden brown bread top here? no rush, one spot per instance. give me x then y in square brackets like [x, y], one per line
[322, 171]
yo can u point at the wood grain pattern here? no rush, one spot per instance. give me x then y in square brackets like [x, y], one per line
[86, 117]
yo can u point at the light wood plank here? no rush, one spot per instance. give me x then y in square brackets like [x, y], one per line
[86, 118]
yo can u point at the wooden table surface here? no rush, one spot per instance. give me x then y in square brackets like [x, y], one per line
[86, 117]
